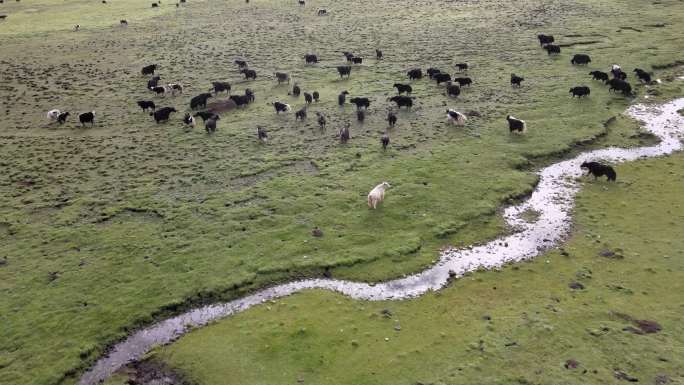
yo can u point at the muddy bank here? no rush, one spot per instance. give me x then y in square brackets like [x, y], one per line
[552, 199]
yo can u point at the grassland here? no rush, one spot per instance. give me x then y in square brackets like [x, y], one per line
[106, 228]
[520, 325]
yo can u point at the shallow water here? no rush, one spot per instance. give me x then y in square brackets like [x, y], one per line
[552, 199]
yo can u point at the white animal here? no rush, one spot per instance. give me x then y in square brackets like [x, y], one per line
[377, 194]
[53, 114]
[456, 117]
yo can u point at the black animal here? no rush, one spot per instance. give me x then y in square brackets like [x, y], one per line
[124, 23]
[618, 73]
[441, 78]
[281, 107]
[240, 63]
[580, 91]
[431, 72]
[344, 134]
[149, 70]
[545, 39]
[360, 116]
[296, 90]
[205, 115]
[316, 96]
[282, 77]
[155, 5]
[341, 98]
[189, 120]
[221, 87]
[597, 169]
[162, 114]
[302, 2]
[360, 102]
[391, 119]
[516, 124]
[643, 75]
[308, 98]
[210, 124]
[453, 89]
[175, 87]
[249, 74]
[61, 119]
[240, 100]
[159, 90]
[463, 81]
[401, 88]
[515, 80]
[415, 73]
[344, 70]
[552, 49]
[87, 117]
[620, 85]
[153, 82]
[321, 120]
[462, 66]
[310, 58]
[145, 104]
[261, 134]
[378, 54]
[598, 75]
[580, 59]
[356, 60]
[322, 12]
[199, 101]
[385, 140]
[402, 101]
[348, 55]
[301, 114]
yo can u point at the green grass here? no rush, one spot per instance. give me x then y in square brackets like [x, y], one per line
[137, 221]
[536, 322]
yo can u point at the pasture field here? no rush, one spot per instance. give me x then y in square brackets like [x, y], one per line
[105, 229]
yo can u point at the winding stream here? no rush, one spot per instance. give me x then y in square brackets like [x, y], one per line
[552, 199]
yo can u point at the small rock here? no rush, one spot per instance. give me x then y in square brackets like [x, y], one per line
[661, 379]
[487, 317]
[571, 364]
[316, 232]
[576, 286]
[620, 375]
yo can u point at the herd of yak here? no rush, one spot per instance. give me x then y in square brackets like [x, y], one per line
[616, 79]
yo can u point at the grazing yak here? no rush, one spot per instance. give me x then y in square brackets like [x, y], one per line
[149, 70]
[310, 58]
[145, 104]
[308, 98]
[240, 63]
[441, 78]
[301, 114]
[597, 169]
[580, 59]
[463, 81]
[344, 134]
[281, 107]
[282, 77]
[516, 80]
[456, 117]
[453, 89]
[160, 90]
[175, 87]
[401, 88]
[378, 54]
[162, 114]
[344, 70]
[402, 101]
[189, 120]
[249, 74]
[316, 96]
[53, 114]
[199, 101]
[87, 117]
[240, 100]
[415, 73]
[205, 115]
[360, 102]
[385, 140]
[431, 72]
[210, 124]
[545, 39]
[262, 136]
[643, 75]
[342, 97]
[321, 120]
[249, 94]
[221, 87]
[357, 60]
[552, 49]
[377, 194]
[295, 90]
[617, 72]
[61, 119]
[462, 66]
[515, 124]
[580, 91]
[391, 119]
[153, 82]
[599, 75]
[322, 12]
[620, 85]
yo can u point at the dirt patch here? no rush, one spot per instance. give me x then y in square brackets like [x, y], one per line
[151, 372]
